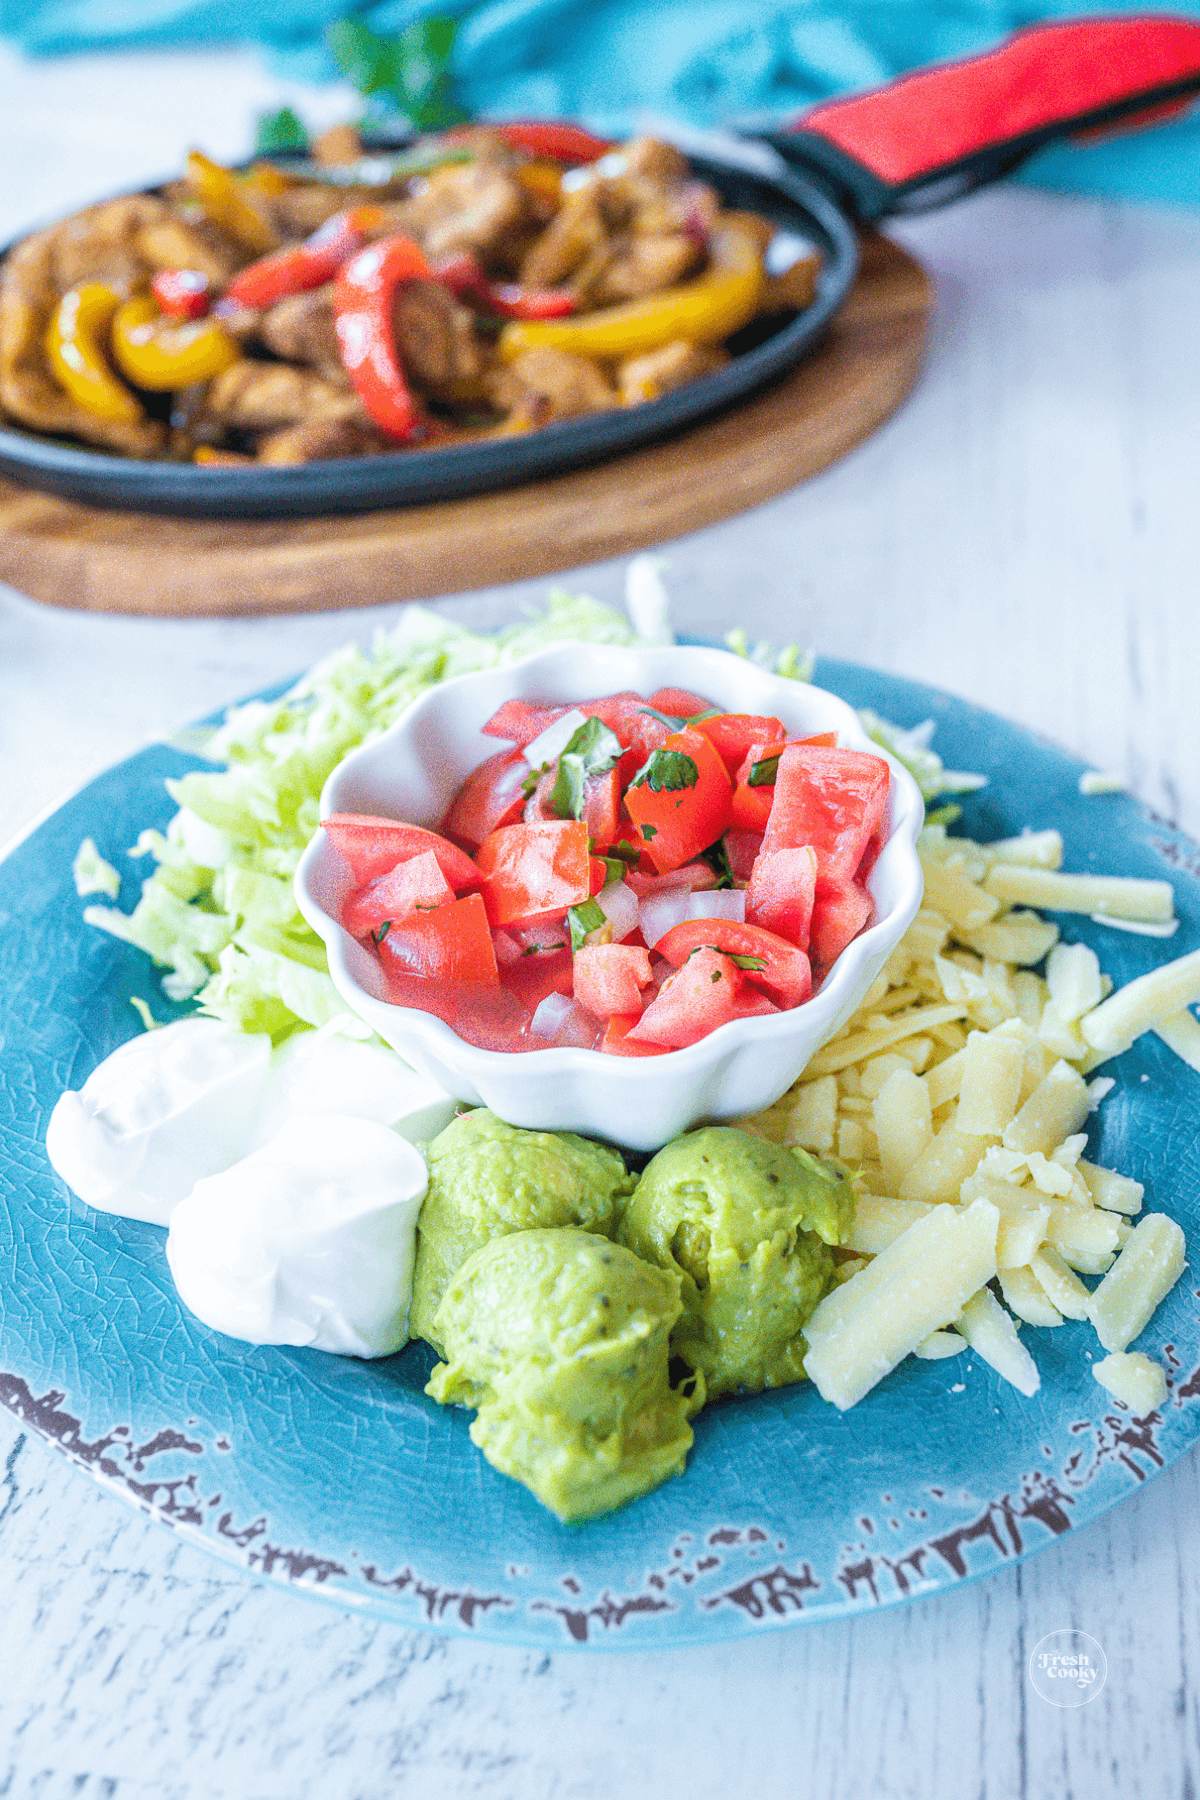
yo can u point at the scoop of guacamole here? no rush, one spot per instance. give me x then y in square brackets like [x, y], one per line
[560, 1339]
[748, 1225]
[487, 1179]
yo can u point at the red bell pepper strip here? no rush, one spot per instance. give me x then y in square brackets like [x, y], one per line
[363, 296]
[505, 299]
[307, 265]
[181, 293]
[554, 138]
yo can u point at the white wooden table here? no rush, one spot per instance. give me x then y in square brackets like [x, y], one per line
[1024, 533]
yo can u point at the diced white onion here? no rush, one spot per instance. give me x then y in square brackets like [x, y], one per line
[507, 949]
[550, 1015]
[564, 1023]
[619, 904]
[662, 912]
[549, 745]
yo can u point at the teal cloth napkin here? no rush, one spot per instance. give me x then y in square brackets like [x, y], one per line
[609, 62]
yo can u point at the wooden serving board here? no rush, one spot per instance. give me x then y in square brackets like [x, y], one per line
[100, 561]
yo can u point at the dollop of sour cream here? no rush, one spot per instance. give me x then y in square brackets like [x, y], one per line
[309, 1240]
[162, 1111]
[289, 1178]
[188, 1100]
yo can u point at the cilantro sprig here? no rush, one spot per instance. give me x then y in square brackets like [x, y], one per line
[667, 771]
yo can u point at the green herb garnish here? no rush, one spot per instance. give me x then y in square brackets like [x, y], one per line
[717, 858]
[750, 963]
[593, 750]
[279, 132]
[585, 919]
[408, 74]
[763, 774]
[666, 772]
[378, 936]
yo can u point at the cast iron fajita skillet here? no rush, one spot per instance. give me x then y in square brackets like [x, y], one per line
[917, 143]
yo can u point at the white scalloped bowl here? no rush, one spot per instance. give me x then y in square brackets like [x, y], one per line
[412, 771]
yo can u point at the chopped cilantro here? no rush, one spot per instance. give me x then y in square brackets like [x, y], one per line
[667, 771]
[717, 858]
[763, 774]
[585, 919]
[593, 750]
[379, 935]
[750, 963]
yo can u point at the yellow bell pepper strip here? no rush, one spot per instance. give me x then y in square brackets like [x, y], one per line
[543, 180]
[705, 310]
[265, 178]
[162, 354]
[307, 265]
[362, 305]
[228, 202]
[74, 343]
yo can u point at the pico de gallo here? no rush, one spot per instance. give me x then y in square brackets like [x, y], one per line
[626, 876]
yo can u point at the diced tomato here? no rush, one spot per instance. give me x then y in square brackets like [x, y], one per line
[750, 807]
[520, 721]
[834, 800]
[870, 857]
[609, 978]
[693, 877]
[529, 871]
[540, 935]
[534, 977]
[599, 875]
[679, 703]
[453, 943]
[674, 825]
[507, 949]
[780, 894]
[372, 846]
[741, 847]
[786, 975]
[485, 1015]
[616, 1040]
[707, 992]
[733, 735]
[490, 797]
[602, 808]
[417, 883]
[842, 909]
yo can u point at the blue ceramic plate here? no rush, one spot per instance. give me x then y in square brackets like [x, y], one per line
[340, 1478]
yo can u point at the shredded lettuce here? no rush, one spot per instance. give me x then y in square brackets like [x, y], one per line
[911, 747]
[218, 913]
[92, 874]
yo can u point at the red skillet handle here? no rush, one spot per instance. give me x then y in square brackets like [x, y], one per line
[956, 126]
